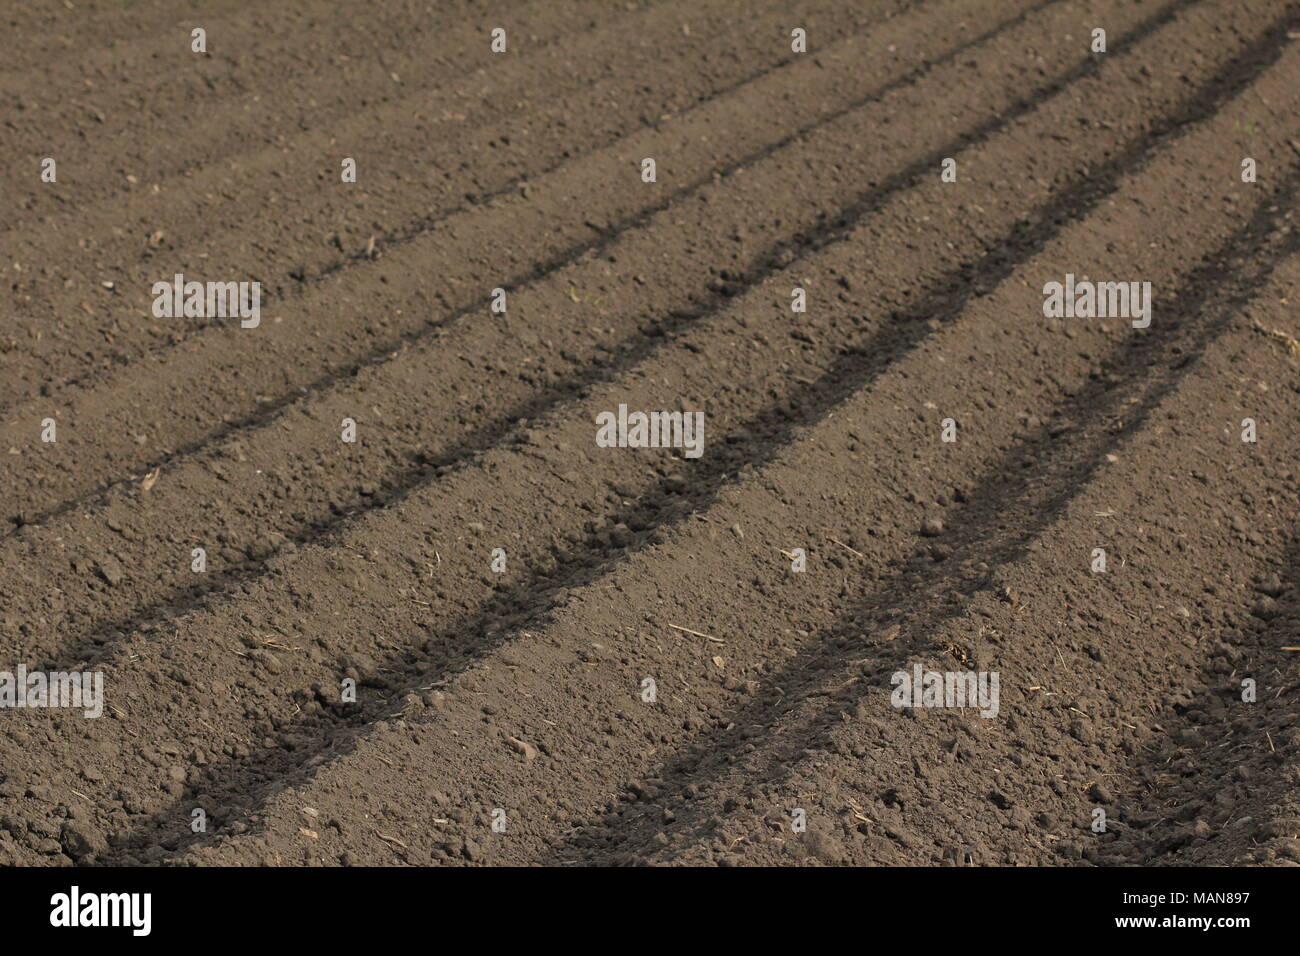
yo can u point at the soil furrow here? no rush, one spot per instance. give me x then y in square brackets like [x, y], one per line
[597, 688]
[367, 582]
[440, 154]
[1223, 771]
[497, 467]
[244, 86]
[953, 614]
[149, 534]
[117, 430]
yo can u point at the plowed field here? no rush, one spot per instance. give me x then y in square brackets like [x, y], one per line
[477, 635]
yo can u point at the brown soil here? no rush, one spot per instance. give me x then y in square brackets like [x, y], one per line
[480, 692]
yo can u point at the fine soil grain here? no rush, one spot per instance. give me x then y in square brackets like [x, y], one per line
[569, 654]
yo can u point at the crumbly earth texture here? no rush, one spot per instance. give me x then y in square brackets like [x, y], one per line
[474, 634]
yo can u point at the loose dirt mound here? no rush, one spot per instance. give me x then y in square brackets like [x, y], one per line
[476, 634]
